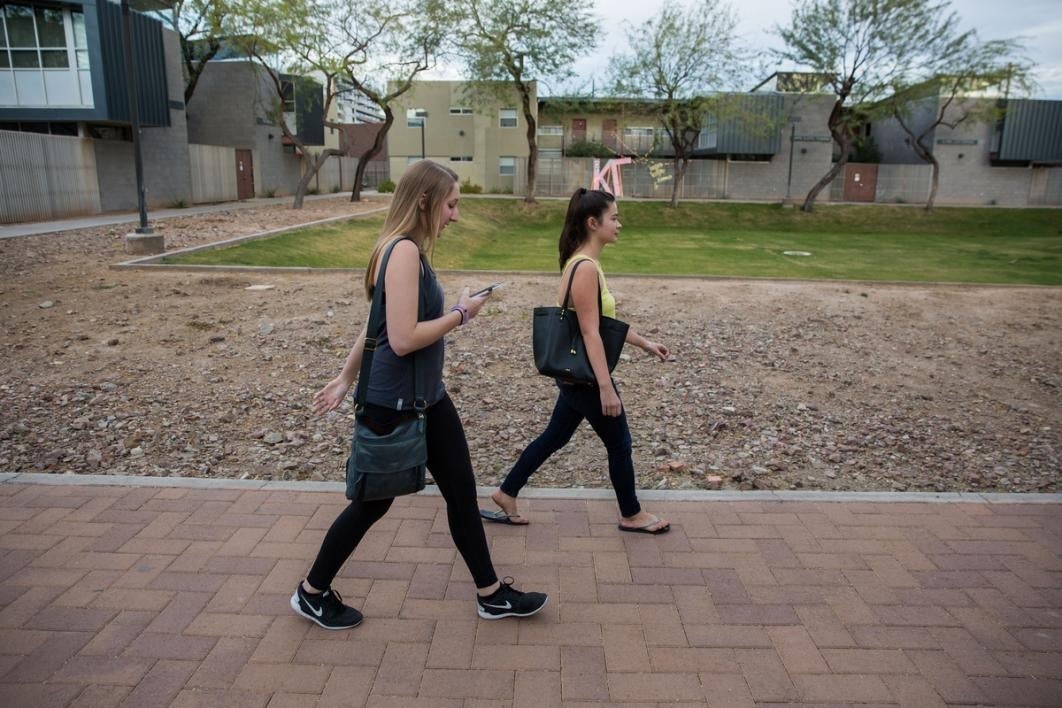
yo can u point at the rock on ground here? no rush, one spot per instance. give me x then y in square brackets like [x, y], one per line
[773, 385]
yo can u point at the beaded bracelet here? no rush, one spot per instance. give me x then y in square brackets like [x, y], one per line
[464, 313]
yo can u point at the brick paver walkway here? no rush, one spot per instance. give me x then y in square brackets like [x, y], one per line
[154, 596]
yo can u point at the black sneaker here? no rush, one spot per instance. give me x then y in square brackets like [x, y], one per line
[326, 609]
[507, 602]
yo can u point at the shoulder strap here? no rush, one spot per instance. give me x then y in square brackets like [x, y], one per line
[571, 279]
[378, 315]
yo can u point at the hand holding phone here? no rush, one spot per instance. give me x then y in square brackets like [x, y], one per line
[488, 290]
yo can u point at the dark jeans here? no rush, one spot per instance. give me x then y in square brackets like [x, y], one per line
[574, 403]
[451, 468]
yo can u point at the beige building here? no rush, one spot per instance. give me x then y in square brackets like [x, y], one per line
[483, 144]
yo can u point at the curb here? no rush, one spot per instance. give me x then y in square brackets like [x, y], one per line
[671, 495]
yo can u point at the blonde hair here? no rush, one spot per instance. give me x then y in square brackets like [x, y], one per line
[406, 217]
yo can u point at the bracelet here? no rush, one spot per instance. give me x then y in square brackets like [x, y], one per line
[463, 311]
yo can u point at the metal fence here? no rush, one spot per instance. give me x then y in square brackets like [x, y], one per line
[46, 177]
[213, 170]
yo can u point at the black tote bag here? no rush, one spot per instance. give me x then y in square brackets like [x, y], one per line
[558, 344]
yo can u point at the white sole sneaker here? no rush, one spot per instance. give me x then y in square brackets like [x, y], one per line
[298, 610]
[488, 616]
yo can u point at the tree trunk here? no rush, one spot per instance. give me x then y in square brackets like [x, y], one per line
[365, 158]
[843, 138]
[934, 182]
[195, 69]
[300, 189]
[532, 145]
[809, 201]
[680, 164]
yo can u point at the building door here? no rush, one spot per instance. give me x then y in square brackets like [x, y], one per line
[244, 175]
[860, 182]
[578, 128]
[608, 133]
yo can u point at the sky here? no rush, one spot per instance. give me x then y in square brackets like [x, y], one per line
[1038, 21]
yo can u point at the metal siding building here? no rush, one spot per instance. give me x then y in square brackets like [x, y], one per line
[1032, 131]
[103, 25]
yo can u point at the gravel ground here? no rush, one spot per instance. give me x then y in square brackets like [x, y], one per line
[774, 385]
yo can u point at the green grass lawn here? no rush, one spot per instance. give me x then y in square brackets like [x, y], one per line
[846, 242]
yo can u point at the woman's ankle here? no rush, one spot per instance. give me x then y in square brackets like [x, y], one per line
[306, 587]
[489, 590]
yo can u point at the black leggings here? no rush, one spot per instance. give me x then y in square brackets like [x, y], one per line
[451, 467]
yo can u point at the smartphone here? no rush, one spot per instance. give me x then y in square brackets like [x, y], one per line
[488, 290]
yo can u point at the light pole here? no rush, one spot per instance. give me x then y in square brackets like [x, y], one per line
[134, 115]
[422, 116]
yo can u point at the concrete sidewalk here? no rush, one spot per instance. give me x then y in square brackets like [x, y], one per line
[178, 595]
[37, 228]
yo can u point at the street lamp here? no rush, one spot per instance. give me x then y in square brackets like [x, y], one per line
[134, 115]
[422, 118]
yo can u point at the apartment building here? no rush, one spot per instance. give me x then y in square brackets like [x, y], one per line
[482, 142]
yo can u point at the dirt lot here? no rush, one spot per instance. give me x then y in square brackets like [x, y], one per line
[774, 385]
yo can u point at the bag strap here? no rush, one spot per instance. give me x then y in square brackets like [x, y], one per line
[571, 279]
[378, 315]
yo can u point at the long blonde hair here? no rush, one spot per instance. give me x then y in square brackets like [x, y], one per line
[423, 178]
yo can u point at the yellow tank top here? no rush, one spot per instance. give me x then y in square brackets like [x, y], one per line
[608, 302]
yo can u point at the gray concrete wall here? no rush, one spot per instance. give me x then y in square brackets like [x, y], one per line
[164, 153]
[966, 175]
[224, 106]
[903, 184]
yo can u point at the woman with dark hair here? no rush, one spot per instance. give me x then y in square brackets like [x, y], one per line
[592, 222]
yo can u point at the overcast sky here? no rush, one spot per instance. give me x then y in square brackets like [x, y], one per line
[1039, 21]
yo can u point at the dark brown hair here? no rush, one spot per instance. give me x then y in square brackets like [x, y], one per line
[585, 203]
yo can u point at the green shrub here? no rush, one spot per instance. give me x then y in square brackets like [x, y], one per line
[588, 148]
[269, 193]
[385, 186]
[313, 190]
[178, 204]
[468, 188]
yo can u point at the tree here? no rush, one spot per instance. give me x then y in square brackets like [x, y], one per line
[682, 59]
[508, 44]
[866, 47]
[343, 43]
[200, 26]
[951, 83]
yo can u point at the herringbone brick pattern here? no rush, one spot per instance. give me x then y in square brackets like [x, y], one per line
[147, 596]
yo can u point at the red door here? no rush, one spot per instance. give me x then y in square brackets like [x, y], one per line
[608, 133]
[578, 129]
[860, 182]
[244, 175]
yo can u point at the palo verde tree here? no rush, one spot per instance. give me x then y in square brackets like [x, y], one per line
[200, 25]
[508, 44]
[864, 47]
[682, 59]
[962, 82]
[340, 43]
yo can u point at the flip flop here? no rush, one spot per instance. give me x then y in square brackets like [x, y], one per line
[500, 517]
[646, 529]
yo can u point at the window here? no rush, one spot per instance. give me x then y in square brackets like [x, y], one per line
[415, 117]
[460, 158]
[288, 89]
[551, 130]
[460, 111]
[639, 132]
[507, 118]
[43, 57]
[549, 153]
[507, 166]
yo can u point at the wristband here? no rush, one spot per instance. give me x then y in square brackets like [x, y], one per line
[463, 311]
